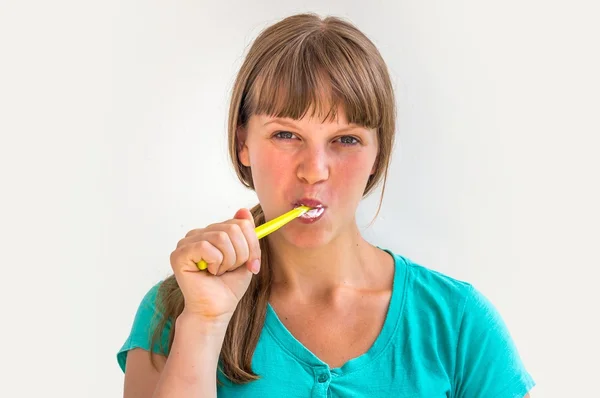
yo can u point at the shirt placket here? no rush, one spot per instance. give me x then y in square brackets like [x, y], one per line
[322, 380]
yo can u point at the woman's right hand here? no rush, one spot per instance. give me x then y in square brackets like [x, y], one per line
[232, 252]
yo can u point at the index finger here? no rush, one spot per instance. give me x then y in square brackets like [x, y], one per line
[247, 227]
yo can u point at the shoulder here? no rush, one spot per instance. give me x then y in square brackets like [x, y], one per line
[432, 279]
[149, 298]
[147, 308]
[471, 338]
[434, 294]
[427, 287]
[437, 304]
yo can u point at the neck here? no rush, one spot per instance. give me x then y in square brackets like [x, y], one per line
[346, 262]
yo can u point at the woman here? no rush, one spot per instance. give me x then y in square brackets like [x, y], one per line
[313, 309]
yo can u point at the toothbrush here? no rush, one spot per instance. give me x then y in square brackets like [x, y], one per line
[269, 227]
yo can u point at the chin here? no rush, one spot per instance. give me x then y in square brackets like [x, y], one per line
[308, 238]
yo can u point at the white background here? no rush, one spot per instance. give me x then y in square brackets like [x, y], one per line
[112, 122]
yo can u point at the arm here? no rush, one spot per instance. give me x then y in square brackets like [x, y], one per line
[189, 371]
[141, 378]
[488, 363]
[210, 299]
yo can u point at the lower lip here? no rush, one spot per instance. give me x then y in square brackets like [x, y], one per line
[309, 220]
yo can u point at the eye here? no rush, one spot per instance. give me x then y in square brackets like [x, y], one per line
[284, 135]
[348, 140]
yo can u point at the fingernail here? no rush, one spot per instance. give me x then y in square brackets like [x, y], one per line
[255, 266]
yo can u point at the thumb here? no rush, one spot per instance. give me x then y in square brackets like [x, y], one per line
[244, 214]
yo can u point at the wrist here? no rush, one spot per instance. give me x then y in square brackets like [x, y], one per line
[215, 326]
[198, 337]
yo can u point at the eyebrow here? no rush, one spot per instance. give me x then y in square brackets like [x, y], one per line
[292, 125]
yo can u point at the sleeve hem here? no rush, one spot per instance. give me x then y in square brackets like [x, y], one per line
[122, 354]
[518, 389]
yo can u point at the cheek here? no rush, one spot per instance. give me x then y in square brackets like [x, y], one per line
[273, 170]
[270, 168]
[353, 172]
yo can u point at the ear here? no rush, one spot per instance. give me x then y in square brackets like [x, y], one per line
[242, 148]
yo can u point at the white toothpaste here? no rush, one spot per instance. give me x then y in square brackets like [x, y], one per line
[313, 213]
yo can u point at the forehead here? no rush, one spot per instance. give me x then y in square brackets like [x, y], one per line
[312, 117]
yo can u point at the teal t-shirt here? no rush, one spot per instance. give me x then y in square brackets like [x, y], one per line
[441, 338]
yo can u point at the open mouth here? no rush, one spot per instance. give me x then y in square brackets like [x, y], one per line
[315, 213]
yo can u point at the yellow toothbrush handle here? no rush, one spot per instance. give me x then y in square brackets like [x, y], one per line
[269, 227]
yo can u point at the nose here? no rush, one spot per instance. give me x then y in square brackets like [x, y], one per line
[314, 166]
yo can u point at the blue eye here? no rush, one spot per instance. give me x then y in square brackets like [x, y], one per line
[348, 140]
[284, 135]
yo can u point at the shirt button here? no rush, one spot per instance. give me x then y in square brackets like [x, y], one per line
[323, 378]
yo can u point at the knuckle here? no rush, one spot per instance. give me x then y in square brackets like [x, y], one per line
[229, 228]
[193, 232]
[174, 258]
[233, 229]
[222, 237]
[245, 223]
[203, 245]
[237, 228]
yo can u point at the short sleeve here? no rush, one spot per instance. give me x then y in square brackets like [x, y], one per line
[487, 361]
[143, 327]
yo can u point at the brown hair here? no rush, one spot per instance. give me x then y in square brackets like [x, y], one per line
[301, 64]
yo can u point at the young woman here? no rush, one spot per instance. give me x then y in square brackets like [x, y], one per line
[312, 310]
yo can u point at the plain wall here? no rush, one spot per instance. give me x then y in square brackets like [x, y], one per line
[113, 146]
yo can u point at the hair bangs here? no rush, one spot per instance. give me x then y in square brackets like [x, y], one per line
[316, 76]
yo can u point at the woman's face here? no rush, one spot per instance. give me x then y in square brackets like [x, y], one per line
[320, 164]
